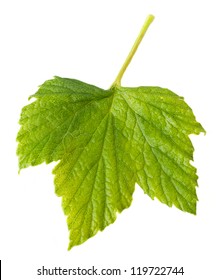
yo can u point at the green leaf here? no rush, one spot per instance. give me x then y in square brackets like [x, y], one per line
[105, 141]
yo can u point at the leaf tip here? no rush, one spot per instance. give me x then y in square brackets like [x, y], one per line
[203, 131]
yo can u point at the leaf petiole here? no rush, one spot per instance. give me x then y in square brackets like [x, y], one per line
[133, 50]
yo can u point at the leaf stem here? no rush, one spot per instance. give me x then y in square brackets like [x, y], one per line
[133, 50]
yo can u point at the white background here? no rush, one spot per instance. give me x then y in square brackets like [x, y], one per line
[89, 40]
